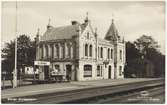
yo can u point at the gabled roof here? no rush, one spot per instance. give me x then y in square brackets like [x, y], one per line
[64, 32]
[112, 33]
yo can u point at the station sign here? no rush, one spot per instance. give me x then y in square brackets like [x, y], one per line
[42, 63]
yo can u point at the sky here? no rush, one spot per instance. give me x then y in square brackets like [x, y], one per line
[132, 19]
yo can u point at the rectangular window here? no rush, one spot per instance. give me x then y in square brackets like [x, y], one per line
[98, 70]
[87, 70]
[101, 71]
[120, 70]
[57, 68]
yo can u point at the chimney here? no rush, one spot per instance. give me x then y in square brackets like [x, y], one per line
[74, 22]
[49, 26]
[86, 19]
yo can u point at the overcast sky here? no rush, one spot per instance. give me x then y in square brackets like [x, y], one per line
[132, 19]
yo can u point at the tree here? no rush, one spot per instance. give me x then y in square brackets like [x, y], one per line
[144, 43]
[132, 53]
[25, 53]
[147, 46]
[158, 59]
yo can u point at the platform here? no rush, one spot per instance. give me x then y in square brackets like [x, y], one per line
[61, 87]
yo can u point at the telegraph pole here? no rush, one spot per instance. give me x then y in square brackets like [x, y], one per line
[15, 67]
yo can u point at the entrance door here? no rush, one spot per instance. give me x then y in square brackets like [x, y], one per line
[68, 72]
[46, 72]
[109, 72]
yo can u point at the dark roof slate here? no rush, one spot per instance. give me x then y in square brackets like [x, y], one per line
[112, 32]
[64, 32]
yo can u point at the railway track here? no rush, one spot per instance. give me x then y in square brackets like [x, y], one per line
[84, 95]
[128, 97]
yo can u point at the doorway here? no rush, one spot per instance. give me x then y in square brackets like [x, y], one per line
[109, 72]
[46, 72]
[68, 72]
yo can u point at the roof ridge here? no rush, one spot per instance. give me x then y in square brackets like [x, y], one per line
[62, 32]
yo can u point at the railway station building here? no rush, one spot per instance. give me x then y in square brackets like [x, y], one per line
[76, 51]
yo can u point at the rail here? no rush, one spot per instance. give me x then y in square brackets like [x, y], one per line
[86, 93]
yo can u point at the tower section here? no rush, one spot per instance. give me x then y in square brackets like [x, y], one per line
[113, 36]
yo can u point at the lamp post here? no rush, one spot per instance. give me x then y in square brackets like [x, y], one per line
[15, 67]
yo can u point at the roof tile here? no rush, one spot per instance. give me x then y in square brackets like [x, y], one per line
[65, 32]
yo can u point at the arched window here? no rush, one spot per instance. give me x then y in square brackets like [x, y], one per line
[120, 54]
[57, 51]
[63, 50]
[52, 51]
[41, 52]
[47, 53]
[69, 51]
[108, 53]
[44, 51]
[90, 50]
[98, 52]
[60, 51]
[86, 50]
[101, 52]
[111, 53]
[87, 35]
